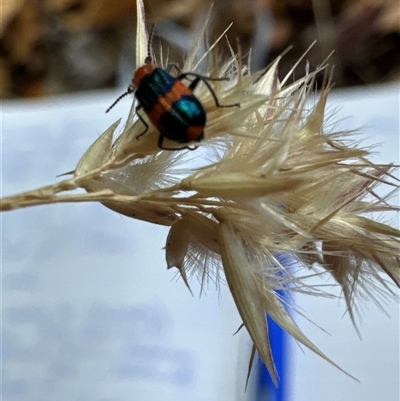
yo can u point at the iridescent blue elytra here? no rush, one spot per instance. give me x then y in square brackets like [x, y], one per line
[170, 104]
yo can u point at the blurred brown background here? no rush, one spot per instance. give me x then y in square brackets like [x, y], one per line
[58, 46]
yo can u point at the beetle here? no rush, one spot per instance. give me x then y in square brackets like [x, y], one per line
[170, 105]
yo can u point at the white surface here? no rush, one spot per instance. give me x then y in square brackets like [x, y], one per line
[374, 360]
[89, 310]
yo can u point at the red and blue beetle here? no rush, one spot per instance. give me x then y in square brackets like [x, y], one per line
[170, 104]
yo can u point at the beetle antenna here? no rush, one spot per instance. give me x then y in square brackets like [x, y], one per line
[119, 98]
[149, 42]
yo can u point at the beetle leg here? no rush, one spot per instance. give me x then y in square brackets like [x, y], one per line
[160, 145]
[160, 142]
[171, 66]
[205, 80]
[142, 120]
[201, 77]
[194, 83]
[161, 137]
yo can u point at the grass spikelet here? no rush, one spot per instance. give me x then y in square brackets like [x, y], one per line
[267, 180]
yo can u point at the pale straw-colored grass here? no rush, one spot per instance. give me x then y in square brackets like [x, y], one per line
[270, 181]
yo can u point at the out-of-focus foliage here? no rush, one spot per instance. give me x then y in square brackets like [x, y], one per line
[87, 38]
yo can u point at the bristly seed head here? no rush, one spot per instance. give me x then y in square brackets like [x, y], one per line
[268, 181]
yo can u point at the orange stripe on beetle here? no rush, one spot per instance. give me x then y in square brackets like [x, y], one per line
[195, 133]
[170, 104]
[166, 103]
